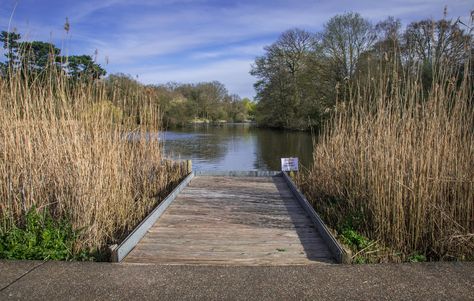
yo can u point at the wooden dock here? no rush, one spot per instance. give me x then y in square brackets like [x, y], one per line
[233, 220]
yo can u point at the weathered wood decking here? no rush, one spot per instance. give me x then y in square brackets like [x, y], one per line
[233, 221]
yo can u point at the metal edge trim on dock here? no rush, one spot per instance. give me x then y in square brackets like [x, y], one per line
[251, 173]
[336, 249]
[127, 245]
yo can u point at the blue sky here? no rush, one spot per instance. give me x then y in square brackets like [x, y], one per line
[193, 40]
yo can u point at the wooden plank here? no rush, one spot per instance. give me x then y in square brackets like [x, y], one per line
[256, 173]
[215, 253]
[226, 262]
[233, 220]
[217, 243]
[230, 256]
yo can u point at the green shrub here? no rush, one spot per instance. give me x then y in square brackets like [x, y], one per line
[40, 237]
[417, 257]
[354, 239]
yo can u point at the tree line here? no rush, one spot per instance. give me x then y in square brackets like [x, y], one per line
[179, 104]
[302, 75]
[32, 58]
[182, 103]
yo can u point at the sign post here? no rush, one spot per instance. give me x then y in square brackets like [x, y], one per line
[289, 164]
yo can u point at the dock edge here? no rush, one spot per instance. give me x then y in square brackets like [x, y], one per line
[237, 173]
[336, 249]
[127, 245]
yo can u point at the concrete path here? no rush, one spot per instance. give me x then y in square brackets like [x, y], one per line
[33, 280]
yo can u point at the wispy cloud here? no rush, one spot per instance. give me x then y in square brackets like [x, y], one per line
[233, 73]
[195, 40]
[252, 49]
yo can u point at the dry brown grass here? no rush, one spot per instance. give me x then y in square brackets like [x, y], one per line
[64, 147]
[399, 167]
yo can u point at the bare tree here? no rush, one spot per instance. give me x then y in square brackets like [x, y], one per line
[344, 39]
[429, 41]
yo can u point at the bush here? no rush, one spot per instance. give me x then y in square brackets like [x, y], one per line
[41, 238]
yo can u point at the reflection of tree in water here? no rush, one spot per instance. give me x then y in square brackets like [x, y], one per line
[273, 145]
[207, 142]
[238, 146]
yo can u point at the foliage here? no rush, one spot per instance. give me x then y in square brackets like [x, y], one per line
[396, 162]
[83, 66]
[81, 153]
[360, 245]
[41, 238]
[353, 238]
[36, 56]
[344, 39]
[364, 249]
[303, 75]
[10, 41]
[180, 104]
[285, 94]
[105, 109]
[417, 257]
[211, 101]
[250, 107]
[33, 58]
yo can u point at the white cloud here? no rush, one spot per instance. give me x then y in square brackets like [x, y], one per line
[189, 28]
[159, 33]
[190, 32]
[83, 9]
[252, 50]
[233, 73]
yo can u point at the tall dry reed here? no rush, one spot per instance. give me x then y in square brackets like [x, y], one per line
[397, 163]
[65, 147]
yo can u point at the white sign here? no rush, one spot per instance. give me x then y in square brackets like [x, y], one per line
[289, 164]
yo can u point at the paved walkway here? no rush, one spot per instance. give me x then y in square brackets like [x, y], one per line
[33, 280]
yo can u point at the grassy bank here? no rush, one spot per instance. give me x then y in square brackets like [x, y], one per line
[67, 154]
[394, 172]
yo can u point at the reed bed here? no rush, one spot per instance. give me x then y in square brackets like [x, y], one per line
[67, 147]
[397, 163]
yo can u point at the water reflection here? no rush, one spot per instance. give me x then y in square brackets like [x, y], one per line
[273, 145]
[236, 147]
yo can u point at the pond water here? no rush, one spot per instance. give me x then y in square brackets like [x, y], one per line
[236, 147]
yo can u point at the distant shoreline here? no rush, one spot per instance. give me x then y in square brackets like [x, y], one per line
[218, 122]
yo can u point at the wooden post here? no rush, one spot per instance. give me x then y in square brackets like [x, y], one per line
[189, 165]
